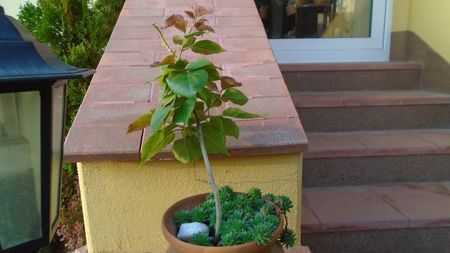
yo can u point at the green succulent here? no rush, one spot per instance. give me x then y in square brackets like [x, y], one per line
[183, 217]
[247, 217]
[202, 239]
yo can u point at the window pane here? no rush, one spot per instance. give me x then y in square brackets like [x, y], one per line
[20, 168]
[316, 18]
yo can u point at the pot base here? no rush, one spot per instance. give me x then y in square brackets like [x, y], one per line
[274, 249]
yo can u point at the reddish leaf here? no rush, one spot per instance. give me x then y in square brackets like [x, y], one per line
[168, 60]
[190, 14]
[200, 10]
[228, 82]
[199, 23]
[212, 86]
[178, 21]
[155, 64]
[206, 28]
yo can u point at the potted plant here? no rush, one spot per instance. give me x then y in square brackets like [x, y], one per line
[187, 118]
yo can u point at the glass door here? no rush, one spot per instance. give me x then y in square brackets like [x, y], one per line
[302, 31]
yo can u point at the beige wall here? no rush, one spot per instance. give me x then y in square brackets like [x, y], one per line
[123, 205]
[429, 19]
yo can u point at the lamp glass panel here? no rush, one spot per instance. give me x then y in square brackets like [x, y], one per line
[20, 168]
[58, 106]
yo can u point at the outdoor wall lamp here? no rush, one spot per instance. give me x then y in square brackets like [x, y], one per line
[32, 108]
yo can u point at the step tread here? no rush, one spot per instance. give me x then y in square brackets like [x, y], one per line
[368, 98]
[299, 249]
[375, 207]
[378, 143]
[350, 66]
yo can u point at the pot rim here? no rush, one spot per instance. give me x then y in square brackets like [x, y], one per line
[170, 237]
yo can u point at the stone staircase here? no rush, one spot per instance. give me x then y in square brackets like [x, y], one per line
[376, 177]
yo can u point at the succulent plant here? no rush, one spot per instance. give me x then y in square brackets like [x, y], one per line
[244, 222]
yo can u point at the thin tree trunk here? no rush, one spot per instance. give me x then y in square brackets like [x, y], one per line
[211, 180]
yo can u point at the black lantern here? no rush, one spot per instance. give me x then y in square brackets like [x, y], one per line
[32, 108]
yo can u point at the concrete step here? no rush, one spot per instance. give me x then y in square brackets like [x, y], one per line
[372, 110]
[300, 249]
[377, 218]
[368, 98]
[352, 76]
[371, 157]
[378, 143]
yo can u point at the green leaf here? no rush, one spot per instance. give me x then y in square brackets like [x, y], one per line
[165, 71]
[178, 40]
[235, 96]
[194, 34]
[155, 143]
[187, 150]
[199, 108]
[239, 113]
[160, 116]
[230, 128]
[208, 96]
[183, 113]
[167, 98]
[187, 83]
[213, 74]
[215, 139]
[142, 122]
[207, 47]
[198, 64]
[189, 42]
[179, 65]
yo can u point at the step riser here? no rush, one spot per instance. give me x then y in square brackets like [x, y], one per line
[329, 119]
[435, 240]
[353, 80]
[344, 171]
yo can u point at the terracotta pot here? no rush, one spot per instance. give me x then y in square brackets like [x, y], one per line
[177, 246]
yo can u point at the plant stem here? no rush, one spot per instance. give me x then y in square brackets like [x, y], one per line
[211, 180]
[165, 44]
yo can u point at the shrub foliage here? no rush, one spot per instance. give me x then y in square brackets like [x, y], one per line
[77, 31]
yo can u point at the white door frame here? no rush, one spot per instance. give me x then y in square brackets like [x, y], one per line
[376, 48]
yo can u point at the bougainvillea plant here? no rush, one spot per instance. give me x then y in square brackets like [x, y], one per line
[190, 91]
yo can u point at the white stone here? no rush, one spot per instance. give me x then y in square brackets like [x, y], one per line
[81, 250]
[188, 230]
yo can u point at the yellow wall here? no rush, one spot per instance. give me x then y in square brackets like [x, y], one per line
[400, 19]
[123, 205]
[429, 19]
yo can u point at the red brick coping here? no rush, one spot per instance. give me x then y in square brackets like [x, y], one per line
[119, 93]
